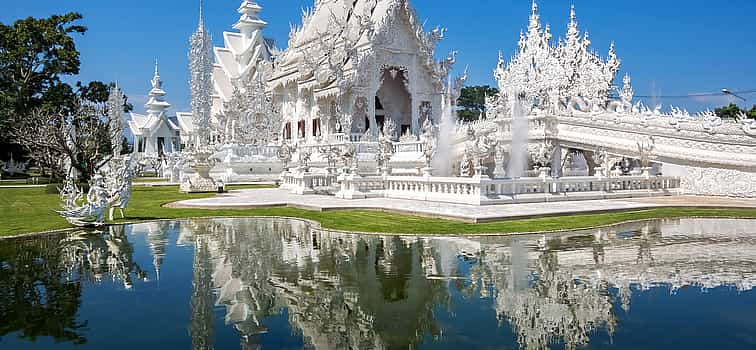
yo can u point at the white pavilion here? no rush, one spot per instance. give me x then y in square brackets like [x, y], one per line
[155, 134]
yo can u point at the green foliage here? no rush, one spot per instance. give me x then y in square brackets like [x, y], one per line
[733, 111]
[472, 101]
[34, 54]
[730, 111]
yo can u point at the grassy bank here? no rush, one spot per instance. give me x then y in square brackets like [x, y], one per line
[28, 210]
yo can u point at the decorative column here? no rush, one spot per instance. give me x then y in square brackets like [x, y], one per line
[201, 68]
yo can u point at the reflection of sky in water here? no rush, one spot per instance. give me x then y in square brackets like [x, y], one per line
[277, 284]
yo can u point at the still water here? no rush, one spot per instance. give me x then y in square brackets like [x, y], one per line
[279, 284]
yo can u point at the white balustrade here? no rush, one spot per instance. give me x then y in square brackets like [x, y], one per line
[481, 191]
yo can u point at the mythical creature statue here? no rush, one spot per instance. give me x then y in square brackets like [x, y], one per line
[304, 159]
[466, 166]
[385, 151]
[606, 161]
[92, 211]
[331, 153]
[120, 173]
[349, 156]
[646, 148]
[542, 154]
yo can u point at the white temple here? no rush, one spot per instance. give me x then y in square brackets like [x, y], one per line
[352, 66]
[358, 106]
[238, 66]
[155, 135]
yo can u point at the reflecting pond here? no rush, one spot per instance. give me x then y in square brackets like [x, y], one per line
[280, 284]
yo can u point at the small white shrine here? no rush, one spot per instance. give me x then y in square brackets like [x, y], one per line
[155, 134]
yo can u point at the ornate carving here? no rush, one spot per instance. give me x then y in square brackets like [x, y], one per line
[718, 182]
[425, 111]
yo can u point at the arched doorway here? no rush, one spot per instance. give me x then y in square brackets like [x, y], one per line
[393, 99]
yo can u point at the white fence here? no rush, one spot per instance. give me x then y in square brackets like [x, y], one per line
[483, 191]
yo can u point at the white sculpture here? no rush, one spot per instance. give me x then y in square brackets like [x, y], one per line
[13, 167]
[646, 148]
[116, 102]
[543, 154]
[118, 179]
[547, 75]
[429, 138]
[201, 67]
[285, 153]
[90, 211]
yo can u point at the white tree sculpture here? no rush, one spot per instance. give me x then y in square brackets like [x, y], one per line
[200, 68]
[116, 101]
[548, 76]
[201, 84]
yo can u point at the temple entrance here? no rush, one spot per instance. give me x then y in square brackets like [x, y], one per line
[161, 146]
[393, 100]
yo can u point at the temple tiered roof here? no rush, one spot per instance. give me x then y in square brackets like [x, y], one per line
[156, 106]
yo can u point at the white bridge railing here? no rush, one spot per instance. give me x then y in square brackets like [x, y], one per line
[482, 190]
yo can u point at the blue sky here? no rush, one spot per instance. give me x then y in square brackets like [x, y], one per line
[670, 47]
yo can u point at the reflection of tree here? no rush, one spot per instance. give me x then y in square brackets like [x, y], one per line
[41, 281]
[36, 298]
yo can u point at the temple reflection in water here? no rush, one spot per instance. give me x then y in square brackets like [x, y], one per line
[340, 291]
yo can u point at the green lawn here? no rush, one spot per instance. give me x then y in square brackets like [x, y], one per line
[150, 179]
[26, 210]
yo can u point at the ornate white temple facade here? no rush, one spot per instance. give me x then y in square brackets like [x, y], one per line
[352, 66]
[155, 135]
[355, 106]
[240, 104]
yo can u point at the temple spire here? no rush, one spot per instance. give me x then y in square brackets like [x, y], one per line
[156, 103]
[573, 16]
[573, 32]
[201, 17]
[535, 19]
[249, 21]
[156, 82]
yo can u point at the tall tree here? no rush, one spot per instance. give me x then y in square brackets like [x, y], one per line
[34, 54]
[472, 101]
[75, 135]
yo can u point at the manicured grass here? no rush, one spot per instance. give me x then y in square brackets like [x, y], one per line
[150, 179]
[31, 210]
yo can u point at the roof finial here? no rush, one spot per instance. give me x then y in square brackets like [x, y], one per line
[156, 68]
[535, 7]
[201, 16]
[573, 16]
